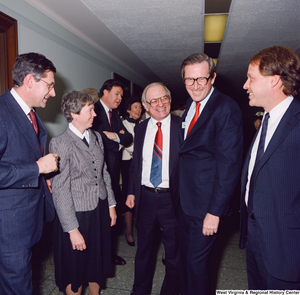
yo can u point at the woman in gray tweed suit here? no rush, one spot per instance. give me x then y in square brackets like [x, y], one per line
[83, 199]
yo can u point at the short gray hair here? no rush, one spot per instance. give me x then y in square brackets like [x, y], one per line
[151, 85]
[73, 102]
[198, 58]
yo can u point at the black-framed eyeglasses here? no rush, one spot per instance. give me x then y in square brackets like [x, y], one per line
[202, 81]
[164, 100]
[50, 85]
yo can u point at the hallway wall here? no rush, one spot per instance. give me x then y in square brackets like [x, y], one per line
[79, 65]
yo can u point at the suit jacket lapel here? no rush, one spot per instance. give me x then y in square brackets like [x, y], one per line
[79, 142]
[173, 147]
[42, 133]
[287, 123]
[182, 122]
[24, 124]
[102, 113]
[210, 105]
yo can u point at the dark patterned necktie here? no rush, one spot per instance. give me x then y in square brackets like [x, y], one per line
[259, 155]
[110, 117]
[156, 167]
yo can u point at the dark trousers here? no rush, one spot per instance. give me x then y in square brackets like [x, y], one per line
[156, 211]
[15, 272]
[195, 256]
[258, 276]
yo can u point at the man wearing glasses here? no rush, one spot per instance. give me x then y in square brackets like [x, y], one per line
[210, 154]
[153, 181]
[24, 195]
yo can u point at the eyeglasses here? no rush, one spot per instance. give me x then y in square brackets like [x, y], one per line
[50, 85]
[164, 100]
[202, 81]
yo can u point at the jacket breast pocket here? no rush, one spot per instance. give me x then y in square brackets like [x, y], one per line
[293, 221]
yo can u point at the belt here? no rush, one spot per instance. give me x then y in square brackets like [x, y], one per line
[157, 190]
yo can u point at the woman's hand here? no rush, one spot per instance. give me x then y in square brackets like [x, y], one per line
[113, 216]
[77, 240]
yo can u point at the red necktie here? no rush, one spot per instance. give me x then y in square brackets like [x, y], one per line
[156, 167]
[195, 118]
[35, 126]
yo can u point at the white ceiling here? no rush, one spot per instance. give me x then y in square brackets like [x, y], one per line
[152, 37]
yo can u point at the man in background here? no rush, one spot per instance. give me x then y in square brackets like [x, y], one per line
[153, 190]
[211, 139]
[114, 136]
[24, 195]
[270, 218]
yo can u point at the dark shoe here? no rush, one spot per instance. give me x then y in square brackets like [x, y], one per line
[132, 244]
[119, 260]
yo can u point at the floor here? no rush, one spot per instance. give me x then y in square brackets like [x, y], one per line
[229, 266]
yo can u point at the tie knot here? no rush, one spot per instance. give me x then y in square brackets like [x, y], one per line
[198, 104]
[267, 116]
[158, 124]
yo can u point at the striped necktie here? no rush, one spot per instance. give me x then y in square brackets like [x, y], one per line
[156, 167]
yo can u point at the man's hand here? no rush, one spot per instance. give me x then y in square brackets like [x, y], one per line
[113, 216]
[47, 163]
[111, 135]
[210, 224]
[77, 240]
[130, 201]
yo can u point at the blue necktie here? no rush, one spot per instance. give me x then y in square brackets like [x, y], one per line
[156, 167]
[85, 141]
[260, 152]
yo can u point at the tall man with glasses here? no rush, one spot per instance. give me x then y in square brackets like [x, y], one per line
[24, 195]
[210, 153]
[153, 190]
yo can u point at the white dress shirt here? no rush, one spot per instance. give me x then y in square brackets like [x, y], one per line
[26, 109]
[276, 115]
[148, 151]
[79, 134]
[191, 112]
[108, 118]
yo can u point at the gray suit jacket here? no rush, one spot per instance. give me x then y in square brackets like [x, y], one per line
[82, 177]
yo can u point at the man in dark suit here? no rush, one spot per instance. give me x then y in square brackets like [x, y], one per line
[209, 169]
[24, 195]
[270, 215]
[155, 198]
[114, 136]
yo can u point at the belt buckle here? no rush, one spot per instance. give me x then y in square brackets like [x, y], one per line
[156, 190]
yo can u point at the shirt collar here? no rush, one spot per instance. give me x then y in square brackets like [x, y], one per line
[280, 109]
[78, 133]
[26, 109]
[105, 106]
[204, 101]
[164, 121]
